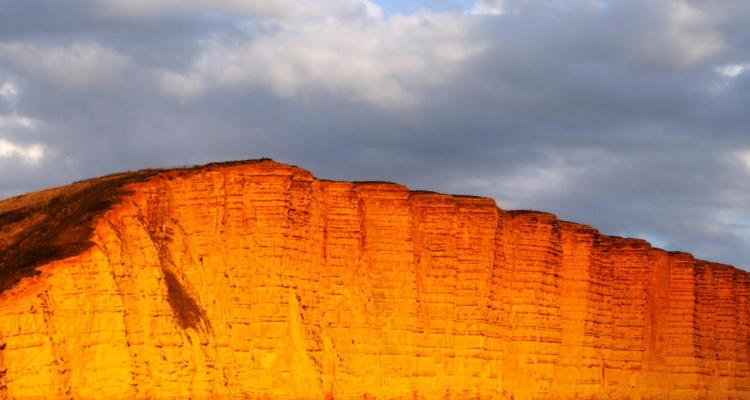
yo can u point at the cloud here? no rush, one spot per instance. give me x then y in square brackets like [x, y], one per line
[160, 8]
[16, 121]
[732, 70]
[487, 8]
[77, 66]
[692, 33]
[382, 61]
[13, 122]
[8, 92]
[627, 115]
[31, 153]
[744, 157]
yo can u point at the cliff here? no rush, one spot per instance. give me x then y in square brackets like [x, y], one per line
[257, 280]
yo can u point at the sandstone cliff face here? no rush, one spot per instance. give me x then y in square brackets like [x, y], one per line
[258, 280]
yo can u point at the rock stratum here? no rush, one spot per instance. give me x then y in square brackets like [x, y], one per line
[257, 280]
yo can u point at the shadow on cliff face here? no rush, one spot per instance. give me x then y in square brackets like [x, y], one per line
[186, 310]
[42, 230]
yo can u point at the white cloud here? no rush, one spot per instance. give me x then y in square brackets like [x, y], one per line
[727, 74]
[672, 34]
[8, 92]
[154, 8]
[80, 65]
[15, 121]
[519, 189]
[278, 9]
[355, 51]
[692, 32]
[732, 70]
[744, 158]
[32, 154]
[488, 8]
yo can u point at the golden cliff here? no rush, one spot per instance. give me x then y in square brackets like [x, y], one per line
[255, 279]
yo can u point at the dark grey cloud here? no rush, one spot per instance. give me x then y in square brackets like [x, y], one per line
[626, 115]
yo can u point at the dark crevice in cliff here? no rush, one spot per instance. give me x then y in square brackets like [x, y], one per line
[187, 311]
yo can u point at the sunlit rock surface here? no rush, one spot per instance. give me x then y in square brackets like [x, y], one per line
[255, 279]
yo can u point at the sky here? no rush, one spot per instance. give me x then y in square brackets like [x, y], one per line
[631, 116]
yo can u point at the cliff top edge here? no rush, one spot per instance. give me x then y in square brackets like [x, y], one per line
[40, 227]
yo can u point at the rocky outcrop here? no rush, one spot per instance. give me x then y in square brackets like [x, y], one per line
[258, 280]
